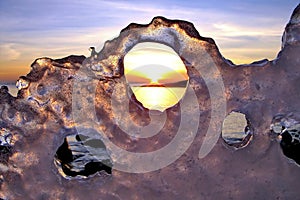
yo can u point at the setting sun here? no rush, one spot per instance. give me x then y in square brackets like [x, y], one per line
[156, 74]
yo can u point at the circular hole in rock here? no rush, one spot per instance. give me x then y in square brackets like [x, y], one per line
[81, 156]
[41, 89]
[287, 131]
[156, 74]
[236, 130]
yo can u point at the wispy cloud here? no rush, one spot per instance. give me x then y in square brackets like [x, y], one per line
[9, 52]
[235, 30]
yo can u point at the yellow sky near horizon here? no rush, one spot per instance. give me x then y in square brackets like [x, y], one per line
[15, 63]
[155, 62]
[11, 68]
[10, 71]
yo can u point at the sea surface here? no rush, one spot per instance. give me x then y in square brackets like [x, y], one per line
[13, 90]
[158, 98]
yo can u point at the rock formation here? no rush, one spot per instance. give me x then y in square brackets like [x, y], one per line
[59, 99]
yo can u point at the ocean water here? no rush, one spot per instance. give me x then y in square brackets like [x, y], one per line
[13, 90]
[158, 98]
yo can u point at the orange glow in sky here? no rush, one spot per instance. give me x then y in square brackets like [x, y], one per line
[153, 62]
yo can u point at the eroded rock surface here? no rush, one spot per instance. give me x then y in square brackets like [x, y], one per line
[32, 123]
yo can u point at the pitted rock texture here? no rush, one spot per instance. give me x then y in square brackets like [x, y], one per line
[42, 109]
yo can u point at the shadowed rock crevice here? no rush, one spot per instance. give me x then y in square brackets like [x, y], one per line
[75, 157]
[286, 129]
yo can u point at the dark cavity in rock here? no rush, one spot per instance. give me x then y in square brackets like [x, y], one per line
[6, 142]
[287, 130]
[82, 156]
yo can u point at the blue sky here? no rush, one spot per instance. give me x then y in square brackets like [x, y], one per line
[244, 30]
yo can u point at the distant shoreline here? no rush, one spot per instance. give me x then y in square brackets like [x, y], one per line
[7, 83]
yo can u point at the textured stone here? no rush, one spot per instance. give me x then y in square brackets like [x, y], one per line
[261, 90]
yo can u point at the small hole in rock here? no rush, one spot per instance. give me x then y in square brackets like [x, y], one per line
[41, 89]
[236, 130]
[156, 75]
[82, 156]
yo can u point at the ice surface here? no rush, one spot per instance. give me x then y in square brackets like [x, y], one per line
[37, 120]
[291, 34]
[22, 83]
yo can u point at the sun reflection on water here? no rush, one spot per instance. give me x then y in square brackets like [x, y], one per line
[158, 98]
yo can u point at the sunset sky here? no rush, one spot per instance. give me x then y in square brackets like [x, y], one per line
[244, 30]
[153, 61]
